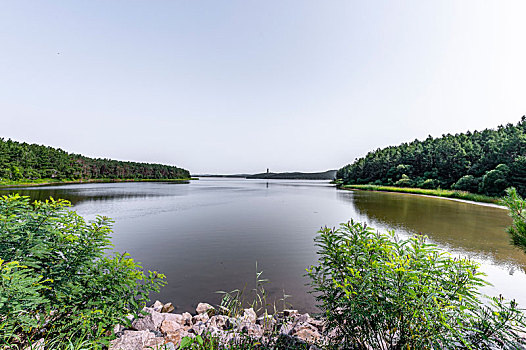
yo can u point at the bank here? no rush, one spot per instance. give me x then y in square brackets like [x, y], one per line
[55, 182]
[450, 194]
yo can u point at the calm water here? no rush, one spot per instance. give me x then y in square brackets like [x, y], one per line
[208, 235]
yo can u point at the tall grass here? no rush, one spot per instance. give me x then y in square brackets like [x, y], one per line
[428, 192]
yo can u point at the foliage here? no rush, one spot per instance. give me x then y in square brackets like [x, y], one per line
[517, 211]
[379, 292]
[242, 342]
[467, 183]
[495, 157]
[32, 162]
[58, 277]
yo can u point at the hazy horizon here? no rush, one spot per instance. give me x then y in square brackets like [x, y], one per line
[242, 86]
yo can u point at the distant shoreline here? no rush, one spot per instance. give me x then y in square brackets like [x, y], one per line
[50, 182]
[325, 175]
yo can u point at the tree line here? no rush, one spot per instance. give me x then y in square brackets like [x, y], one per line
[485, 162]
[20, 160]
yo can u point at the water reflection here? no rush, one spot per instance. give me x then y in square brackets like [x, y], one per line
[207, 235]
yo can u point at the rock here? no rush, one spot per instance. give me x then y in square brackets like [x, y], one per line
[167, 308]
[252, 329]
[249, 315]
[306, 332]
[187, 318]
[131, 340]
[198, 328]
[289, 313]
[218, 321]
[154, 344]
[169, 326]
[151, 321]
[200, 318]
[204, 307]
[285, 329]
[317, 323]
[175, 318]
[169, 346]
[157, 306]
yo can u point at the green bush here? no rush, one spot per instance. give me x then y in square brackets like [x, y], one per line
[62, 280]
[467, 183]
[517, 211]
[430, 184]
[404, 181]
[379, 292]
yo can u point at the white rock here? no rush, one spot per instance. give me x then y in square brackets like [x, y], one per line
[249, 315]
[175, 318]
[170, 326]
[203, 307]
[131, 340]
[290, 312]
[151, 321]
[187, 318]
[157, 306]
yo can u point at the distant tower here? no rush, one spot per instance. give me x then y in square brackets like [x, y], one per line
[267, 171]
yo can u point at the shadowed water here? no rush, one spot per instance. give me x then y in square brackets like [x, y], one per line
[207, 236]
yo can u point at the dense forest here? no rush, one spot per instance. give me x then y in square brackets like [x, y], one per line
[23, 161]
[485, 162]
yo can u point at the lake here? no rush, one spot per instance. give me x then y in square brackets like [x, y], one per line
[208, 235]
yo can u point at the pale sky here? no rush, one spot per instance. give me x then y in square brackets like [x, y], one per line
[241, 86]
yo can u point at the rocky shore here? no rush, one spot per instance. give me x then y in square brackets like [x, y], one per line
[162, 329]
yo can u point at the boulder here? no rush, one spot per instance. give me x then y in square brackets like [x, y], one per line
[154, 344]
[289, 312]
[204, 308]
[218, 321]
[131, 340]
[167, 308]
[175, 337]
[151, 321]
[157, 306]
[169, 326]
[175, 318]
[306, 332]
[200, 318]
[187, 318]
[249, 315]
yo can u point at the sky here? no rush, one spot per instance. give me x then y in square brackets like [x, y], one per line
[242, 86]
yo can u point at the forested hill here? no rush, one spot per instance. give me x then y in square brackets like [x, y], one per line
[483, 162]
[19, 161]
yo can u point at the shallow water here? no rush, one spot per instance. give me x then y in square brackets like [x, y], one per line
[208, 235]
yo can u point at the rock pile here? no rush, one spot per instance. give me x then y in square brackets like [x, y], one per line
[161, 329]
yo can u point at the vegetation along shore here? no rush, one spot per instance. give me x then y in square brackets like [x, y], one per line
[469, 164]
[463, 195]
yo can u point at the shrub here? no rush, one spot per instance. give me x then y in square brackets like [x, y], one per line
[495, 181]
[517, 211]
[404, 181]
[430, 184]
[378, 292]
[73, 286]
[467, 183]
